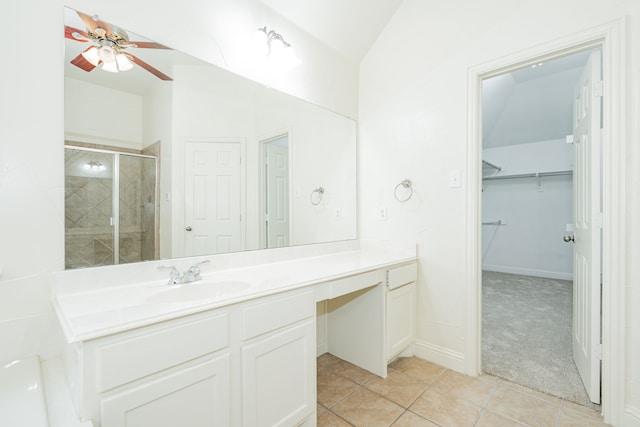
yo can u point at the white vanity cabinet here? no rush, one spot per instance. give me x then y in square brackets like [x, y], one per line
[249, 364]
[278, 361]
[195, 396]
[172, 373]
[400, 309]
[246, 361]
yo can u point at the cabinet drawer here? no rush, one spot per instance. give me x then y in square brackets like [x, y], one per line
[128, 360]
[350, 284]
[276, 313]
[402, 275]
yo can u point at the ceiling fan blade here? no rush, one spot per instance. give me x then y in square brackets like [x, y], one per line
[147, 45]
[159, 74]
[92, 24]
[80, 62]
[69, 31]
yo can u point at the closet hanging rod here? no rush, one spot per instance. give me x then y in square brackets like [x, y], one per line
[498, 168]
[528, 175]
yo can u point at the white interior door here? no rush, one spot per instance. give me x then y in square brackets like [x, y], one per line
[276, 192]
[587, 227]
[212, 209]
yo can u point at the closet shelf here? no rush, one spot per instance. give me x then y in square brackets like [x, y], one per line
[491, 165]
[528, 175]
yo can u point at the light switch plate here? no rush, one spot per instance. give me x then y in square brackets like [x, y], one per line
[455, 178]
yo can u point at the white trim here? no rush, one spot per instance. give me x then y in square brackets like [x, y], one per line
[442, 356]
[560, 275]
[633, 413]
[611, 37]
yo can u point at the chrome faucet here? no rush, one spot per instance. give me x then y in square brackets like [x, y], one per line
[191, 274]
[174, 274]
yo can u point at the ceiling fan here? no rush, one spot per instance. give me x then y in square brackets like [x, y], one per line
[109, 46]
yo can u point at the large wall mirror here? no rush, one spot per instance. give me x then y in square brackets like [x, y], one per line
[168, 156]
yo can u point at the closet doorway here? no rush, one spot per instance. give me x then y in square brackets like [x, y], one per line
[530, 330]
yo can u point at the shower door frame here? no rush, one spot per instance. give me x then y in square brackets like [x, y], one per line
[115, 199]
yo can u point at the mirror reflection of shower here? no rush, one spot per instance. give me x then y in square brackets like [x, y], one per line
[110, 207]
[275, 192]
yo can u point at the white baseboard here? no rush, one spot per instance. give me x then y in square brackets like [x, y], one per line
[633, 415]
[442, 356]
[528, 272]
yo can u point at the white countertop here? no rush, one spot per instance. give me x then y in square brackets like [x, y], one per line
[106, 308]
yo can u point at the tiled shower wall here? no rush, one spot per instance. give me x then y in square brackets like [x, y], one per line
[88, 209]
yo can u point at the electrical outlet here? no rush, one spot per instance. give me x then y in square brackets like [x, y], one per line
[382, 213]
[338, 214]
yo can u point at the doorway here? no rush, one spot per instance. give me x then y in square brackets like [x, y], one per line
[532, 310]
[274, 192]
[611, 37]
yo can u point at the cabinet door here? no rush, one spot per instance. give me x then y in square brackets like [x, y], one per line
[196, 396]
[279, 377]
[401, 315]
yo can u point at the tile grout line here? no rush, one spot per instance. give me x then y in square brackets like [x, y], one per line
[363, 386]
[484, 408]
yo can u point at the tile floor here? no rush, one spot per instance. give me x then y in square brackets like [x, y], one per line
[418, 393]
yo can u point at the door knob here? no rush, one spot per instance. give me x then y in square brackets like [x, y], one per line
[188, 228]
[568, 238]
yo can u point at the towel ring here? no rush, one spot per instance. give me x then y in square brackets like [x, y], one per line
[318, 198]
[406, 183]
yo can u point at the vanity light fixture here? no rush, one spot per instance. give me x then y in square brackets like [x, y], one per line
[94, 166]
[278, 50]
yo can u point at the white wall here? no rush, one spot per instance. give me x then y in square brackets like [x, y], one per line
[534, 211]
[319, 156]
[157, 118]
[413, 124]
[32, 129]
[116, 120]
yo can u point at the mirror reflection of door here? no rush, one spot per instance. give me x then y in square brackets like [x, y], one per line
[275, 192]
[212, 209]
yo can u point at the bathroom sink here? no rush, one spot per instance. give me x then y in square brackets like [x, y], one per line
[196, 291]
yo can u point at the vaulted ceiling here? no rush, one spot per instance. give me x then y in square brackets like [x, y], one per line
[531, 104]
[350, 27]
[527, 105]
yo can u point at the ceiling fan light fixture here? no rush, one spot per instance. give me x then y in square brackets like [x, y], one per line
[124, 64]
[91, 55]
[106, 54]
[111, 67]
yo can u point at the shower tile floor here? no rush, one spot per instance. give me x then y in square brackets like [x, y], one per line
[419, 393]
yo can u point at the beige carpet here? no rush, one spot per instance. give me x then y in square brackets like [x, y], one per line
[526, 334]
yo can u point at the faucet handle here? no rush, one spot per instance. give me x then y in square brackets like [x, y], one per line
[174, 274]
[195, 269]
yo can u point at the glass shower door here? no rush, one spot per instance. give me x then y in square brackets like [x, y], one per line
[88, 208]
[137, 208]
[110, 208]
